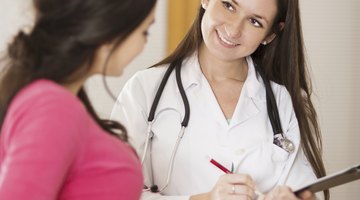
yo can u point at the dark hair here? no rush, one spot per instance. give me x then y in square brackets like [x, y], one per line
[62, 45]
[284, 62]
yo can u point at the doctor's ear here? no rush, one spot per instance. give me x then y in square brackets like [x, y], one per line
[272, 36]
[269, 39]
[204, 4]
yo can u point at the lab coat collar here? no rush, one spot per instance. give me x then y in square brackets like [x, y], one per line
[191, 75]
[253, 95]
[254, 83]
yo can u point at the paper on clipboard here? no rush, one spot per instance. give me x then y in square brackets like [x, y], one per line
[339, 178]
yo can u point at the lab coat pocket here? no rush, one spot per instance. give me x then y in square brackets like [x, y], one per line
[274, 169]
[279, 154]
[265, 164]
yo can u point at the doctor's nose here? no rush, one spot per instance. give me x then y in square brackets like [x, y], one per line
[234, 30]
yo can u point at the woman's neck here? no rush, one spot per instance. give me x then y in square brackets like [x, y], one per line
[75, 86]
[215, 69]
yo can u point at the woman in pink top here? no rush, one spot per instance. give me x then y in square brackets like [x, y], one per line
[53, 146]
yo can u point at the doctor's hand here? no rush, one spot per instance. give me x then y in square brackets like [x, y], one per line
[230, 187]
[285, 193]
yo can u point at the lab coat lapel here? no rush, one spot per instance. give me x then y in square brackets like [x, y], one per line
[252, 98]
[246, 108]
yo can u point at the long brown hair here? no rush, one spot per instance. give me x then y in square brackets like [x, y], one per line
[284, 62]
[62, 45]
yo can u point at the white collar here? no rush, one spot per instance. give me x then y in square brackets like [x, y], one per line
[191, 74]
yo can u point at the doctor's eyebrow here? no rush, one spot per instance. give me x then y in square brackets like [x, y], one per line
[261, 18]
[235, 2]
[255, 15]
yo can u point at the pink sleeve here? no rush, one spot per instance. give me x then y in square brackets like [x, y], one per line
[41, 143]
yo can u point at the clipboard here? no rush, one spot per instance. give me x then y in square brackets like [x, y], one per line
[336, 179]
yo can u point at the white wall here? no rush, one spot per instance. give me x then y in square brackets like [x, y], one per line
[332, 37]
[13, 14]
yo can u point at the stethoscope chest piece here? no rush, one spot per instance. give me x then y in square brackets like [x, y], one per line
[284, 143]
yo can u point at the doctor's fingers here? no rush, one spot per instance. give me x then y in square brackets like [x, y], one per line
[237, 179]
[232, 192]
[280, 193]
[242, 192]
[307, 195]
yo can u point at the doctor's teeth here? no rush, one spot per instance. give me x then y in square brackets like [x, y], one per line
[226, 41]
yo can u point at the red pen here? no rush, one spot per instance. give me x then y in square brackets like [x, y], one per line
[218, 165]
[224, 169]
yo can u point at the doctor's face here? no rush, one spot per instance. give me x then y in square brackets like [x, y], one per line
[233, 29]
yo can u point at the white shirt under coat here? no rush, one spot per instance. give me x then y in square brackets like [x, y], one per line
[245, 144]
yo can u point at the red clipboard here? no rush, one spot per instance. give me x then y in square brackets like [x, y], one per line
[333, 180]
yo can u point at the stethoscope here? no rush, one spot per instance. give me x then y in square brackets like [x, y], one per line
[279, 138]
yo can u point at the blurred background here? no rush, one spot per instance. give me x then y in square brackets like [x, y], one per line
[332, 37]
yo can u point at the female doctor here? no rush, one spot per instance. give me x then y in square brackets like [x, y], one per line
[214, 98]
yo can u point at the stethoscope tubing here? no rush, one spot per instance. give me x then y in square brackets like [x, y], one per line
[271, 104]
[148, 138]
[184, 123]
[172, 159]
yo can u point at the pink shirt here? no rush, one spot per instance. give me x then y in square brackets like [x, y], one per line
[50, 148]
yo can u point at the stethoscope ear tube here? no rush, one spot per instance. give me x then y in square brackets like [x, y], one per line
[271, 103]
[185, 121]
[159, 91]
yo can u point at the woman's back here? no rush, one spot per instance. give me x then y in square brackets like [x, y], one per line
[75, 158]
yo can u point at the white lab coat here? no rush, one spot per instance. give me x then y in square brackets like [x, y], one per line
[245, 144]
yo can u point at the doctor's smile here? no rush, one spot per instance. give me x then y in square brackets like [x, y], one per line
[225, 42]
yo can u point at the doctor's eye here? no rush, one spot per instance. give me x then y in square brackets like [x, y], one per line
[256, 23]
[228, 6]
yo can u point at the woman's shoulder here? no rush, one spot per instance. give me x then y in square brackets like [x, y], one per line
[280, 91]
[45, 109]
[151, 73]
[45, 95]
[152, 76]
[146, 79]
